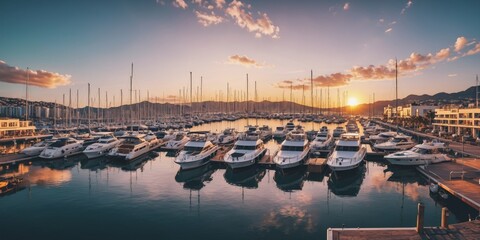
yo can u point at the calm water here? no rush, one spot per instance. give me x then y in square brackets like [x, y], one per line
[150, 199]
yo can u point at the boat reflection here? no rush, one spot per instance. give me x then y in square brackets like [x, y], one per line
[291, 180]
[59, 164]
[195, 179]
[10, 185]
[94, 164]
[404, 174]
[134, 164]
[248, 177]
[347, 184]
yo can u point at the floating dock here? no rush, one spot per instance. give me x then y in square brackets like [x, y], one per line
[461, 178]
[459, 231]
[14, 158]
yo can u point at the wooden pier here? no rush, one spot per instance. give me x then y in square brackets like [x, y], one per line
[372, 155]
[14, 158]
[461, 178]
[459, 231]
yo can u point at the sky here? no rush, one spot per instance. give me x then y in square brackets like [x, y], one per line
[348, 45]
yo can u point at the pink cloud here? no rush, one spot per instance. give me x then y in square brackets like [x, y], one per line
[180, 4]
[460, 43]
[260, 26]
[39, 78]
[208, 19]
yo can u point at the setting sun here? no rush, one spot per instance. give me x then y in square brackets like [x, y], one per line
[352, 102]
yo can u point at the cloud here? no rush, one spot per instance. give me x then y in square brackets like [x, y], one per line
[245, 61]
[452, 75]
[180, 4]
[388, 30]
[474, 51]
[409, 4]
[260, 26]
[208, 19]
[460, 43]
[219, 3]
[381, 20]
[39, 78]
[409, 66]
[346, 6]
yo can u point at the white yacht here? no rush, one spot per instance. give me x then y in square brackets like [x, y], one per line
[421, 154]
[196, 153]
[62, 147]
[102, 147]
[132, 146]
[338, 131]
[228, 136]
[382, 137]
[348, 153]
[397, 143]
[37, 148]
[293, 152]
[177, 142]
[265, 132]
[247, 150]
[280, 132]
[153, 141]
[323, 140]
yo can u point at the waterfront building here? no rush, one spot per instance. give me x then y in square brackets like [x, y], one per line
[409, 111]
[460, 121]
[11, 127]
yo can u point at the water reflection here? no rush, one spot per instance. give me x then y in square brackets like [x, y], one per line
[347, 184]
[95, 164]
[195, 179]
[291, 180]
[59, 164]
[133, 165]
[247, 178]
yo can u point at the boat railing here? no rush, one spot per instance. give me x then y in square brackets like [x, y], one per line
[290, 159]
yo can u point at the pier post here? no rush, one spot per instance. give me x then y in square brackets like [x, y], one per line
[420, 215]
[444, 223]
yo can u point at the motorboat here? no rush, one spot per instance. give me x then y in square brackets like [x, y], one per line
[421, 154]
[177, 142]
[37, 148]
[153, 141]
[196, 153]
[265, 132]
[133, 145]
[381, 137]
[398, 143]
[228, 136]
[247, 150]
[323, 140]
[293, 152]
[290, 126]
[62, 147]
[102, 147]
[348, 153]
[280, 132]
[338, 131]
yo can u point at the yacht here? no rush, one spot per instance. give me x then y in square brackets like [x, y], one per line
[177, 142]
[293, 152]
[132, 146]
[280, 132]
[37, 148]
[397, 143]
[196, 153]
[103, 145]
[337, 132]
[62, 147]
[247, 150]
[323, 140]
[421, 154]
[290, 126]
[228, 136]
[382, 137]
[265, 132]
[153, 141]
[348, 153]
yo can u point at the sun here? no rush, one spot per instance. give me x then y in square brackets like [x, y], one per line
[352, 102]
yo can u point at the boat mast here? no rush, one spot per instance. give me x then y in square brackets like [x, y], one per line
[396, 89]
[88, 113]
[77, 113]
[191, 96]
[247, 95]
[26, 94]
[131, 80]
[476, 93]
[311, 88]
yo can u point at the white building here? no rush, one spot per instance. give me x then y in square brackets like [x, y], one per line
[409, 111]
[461, 121]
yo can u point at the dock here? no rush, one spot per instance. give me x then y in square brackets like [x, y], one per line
[14, 158]
[459, 231]
[461, 178]
[25, 138]
[372, 155]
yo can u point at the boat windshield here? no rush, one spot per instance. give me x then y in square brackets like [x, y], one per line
[292, 148]
[59, 143]
[192, 149]
[131, 140]
[347, 148]
[397, 140]
[422, 151]
[279, 128]
[242, 147]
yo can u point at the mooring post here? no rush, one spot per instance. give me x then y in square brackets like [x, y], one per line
[444, 223]
[420, 215]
